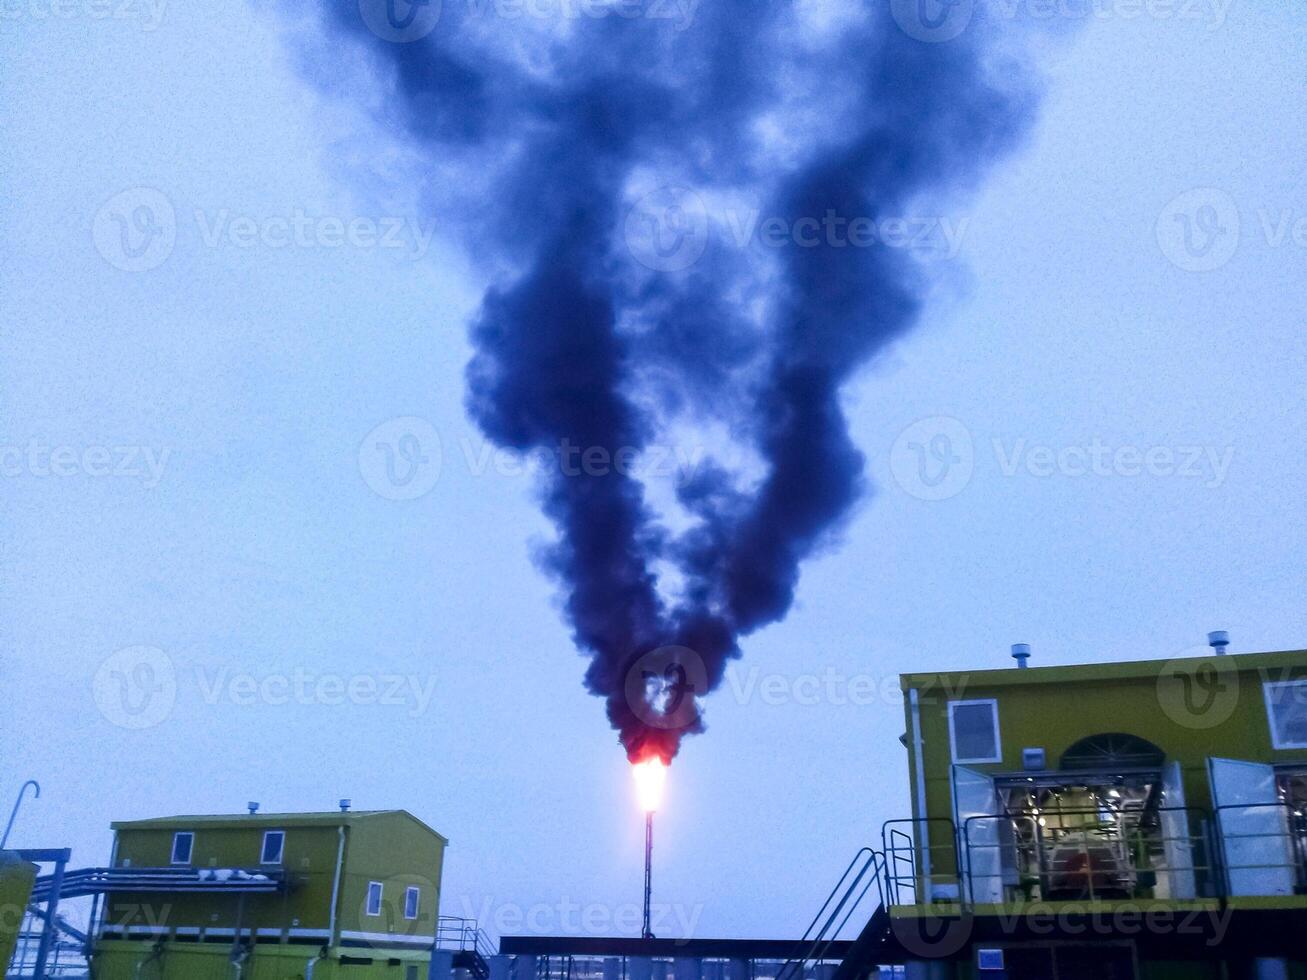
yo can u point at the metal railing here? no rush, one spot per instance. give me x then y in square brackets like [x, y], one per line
[1253, 849]
[172, 881]
[1265, 856]
[596, 966]
[1099, 857]
[67, 954]
[866, 869]
[463, 936]
[906, 882]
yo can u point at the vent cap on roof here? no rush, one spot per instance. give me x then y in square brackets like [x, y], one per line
[1218, 640]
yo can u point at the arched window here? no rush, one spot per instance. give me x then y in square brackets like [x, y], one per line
[1113, 750]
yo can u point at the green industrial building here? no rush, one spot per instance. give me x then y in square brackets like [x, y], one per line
[17, 877]
[271, 897]
[1113, 820]
[1133, 820]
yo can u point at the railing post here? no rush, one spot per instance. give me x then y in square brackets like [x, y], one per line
[51, 924]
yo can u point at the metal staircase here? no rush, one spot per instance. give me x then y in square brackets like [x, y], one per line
[866, 869]
[469, 944]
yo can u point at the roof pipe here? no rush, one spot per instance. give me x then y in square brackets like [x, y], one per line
[1218, 640]
[308, 969]
[918, 767]
[335, 885]
[1021, 653]
[30, 784]
[156, 953]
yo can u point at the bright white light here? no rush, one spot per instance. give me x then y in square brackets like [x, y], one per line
[650, 776]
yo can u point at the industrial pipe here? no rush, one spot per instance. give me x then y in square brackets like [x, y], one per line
[17, 803]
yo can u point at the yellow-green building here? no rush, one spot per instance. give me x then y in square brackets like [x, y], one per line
[350, 894]
[16, 880]
[1114, 820]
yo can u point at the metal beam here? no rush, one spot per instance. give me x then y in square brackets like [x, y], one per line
[50, 929]
[97, 881]
[744, 949]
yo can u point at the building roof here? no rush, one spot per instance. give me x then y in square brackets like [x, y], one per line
[272, 821]
[1012, 676]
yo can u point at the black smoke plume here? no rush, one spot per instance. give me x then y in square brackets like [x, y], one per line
[570, 141]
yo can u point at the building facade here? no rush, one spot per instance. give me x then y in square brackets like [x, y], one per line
[1126, 819]
[351, 891]
[16, 880]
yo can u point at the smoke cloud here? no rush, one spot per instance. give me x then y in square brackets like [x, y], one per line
[593, 156]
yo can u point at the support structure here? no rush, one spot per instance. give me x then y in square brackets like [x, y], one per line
[52, 893]
[648, 873]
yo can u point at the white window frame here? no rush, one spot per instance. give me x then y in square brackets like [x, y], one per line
[952, 735]
[381, 895]
[415, 893]
[1270, 712]
[190, 848]
[281, 851]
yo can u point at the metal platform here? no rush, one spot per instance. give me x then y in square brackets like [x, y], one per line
[99, 881]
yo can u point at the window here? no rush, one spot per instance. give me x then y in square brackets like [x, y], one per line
[274, 844]
[973, 731]
[374, 898]
[1286, 708]
[412, 897]
[183, 843]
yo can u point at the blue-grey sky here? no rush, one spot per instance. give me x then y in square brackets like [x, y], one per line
[192, 482]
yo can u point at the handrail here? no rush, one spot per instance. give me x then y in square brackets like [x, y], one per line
[968, 846]
[819, 944]
[462, 935]
[893, 852]
[1206, 844]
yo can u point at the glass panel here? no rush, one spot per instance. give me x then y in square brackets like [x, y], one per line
[272, 847]
[1253, 823]
[181, 848]
[1287, 703]
[974, 737]
[975, 803]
